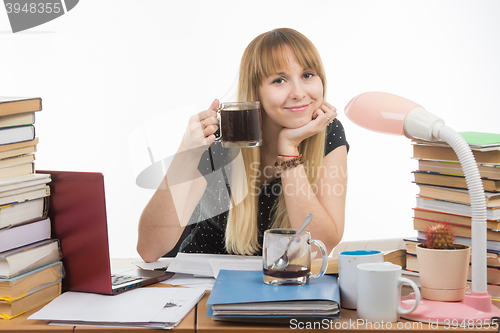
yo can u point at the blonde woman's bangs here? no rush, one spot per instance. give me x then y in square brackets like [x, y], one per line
[274, 56]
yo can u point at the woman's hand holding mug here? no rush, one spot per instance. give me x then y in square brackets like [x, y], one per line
[200, 130]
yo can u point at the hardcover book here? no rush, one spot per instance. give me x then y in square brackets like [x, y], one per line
[30, 282]
[11, 215]
[9, 310]
[9, 135]
[28, 257]
[18, 120]
[456, 195]
[16, 105]
[492, 213]
[20, 148]
[28, 193]
[486, 170]
[446, 153]
[430, 178]
[460, 231]
[24, 234]
[435, 216]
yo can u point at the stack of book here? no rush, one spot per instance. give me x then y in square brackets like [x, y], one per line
[443, 196]
[30, 266]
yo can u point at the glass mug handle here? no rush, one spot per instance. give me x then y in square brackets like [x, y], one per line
[218, 138]
[324, 256]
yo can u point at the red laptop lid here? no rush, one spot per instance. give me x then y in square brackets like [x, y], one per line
[77, 211]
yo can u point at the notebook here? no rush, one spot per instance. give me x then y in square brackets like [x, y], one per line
[77, 210]
[243, 296]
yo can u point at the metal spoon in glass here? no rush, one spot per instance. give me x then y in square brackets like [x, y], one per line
[282, 262]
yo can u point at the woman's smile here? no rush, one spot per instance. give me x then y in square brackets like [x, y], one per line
[297, 108]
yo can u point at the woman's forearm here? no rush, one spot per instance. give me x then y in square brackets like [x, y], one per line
[326, 200]
[170, 208]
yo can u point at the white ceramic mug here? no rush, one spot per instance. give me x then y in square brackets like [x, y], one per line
[379, 292]
[348, 262]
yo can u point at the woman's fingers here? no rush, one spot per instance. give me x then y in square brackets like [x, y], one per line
[329, 111]
[321, 118]
[207, 118]
[209, 125]
[202, 127]
[211, 112]
[209, 139]
[209, 122]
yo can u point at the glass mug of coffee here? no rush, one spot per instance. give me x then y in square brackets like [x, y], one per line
[239, 124]
[298, 252]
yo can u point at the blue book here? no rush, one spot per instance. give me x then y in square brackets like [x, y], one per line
[243, 295]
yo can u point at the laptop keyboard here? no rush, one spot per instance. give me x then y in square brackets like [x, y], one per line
[117, 279]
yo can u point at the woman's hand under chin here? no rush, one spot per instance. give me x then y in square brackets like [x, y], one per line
[290, 138]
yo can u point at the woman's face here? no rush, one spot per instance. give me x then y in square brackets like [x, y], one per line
[290, 97]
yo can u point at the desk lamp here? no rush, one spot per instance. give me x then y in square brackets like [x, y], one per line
[392, 114]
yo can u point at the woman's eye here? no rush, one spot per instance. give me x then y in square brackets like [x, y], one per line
[308, 75]
[279, 80]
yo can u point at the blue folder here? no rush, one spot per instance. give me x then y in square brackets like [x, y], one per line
[239, 287]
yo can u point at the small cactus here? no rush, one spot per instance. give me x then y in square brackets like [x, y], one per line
[439, 236]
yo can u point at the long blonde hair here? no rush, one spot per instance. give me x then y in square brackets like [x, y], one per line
[266, 55]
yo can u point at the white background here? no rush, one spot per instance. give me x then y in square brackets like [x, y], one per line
[106, 67]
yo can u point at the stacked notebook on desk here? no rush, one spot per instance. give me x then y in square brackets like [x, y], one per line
[243, 296]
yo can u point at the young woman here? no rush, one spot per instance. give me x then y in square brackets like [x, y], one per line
[283, 70]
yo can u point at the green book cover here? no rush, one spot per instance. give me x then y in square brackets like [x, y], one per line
[480, 139]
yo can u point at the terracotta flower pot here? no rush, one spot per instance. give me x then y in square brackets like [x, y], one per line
[443, 273]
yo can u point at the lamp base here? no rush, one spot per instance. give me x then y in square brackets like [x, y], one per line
[476, 308]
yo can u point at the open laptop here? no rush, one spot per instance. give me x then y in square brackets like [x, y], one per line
[77, 210]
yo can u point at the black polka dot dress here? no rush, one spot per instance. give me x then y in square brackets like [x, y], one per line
[208, 222]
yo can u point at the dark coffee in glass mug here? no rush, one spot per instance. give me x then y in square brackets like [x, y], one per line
[240, 124]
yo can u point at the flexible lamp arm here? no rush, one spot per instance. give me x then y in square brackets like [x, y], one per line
[478, 206]
[392, 114]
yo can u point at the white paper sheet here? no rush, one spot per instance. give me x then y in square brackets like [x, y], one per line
[240, 264]
[165, 326]
[189, 280]
[138, 305]
[146, 307]
[209, 264]
[196, 264]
